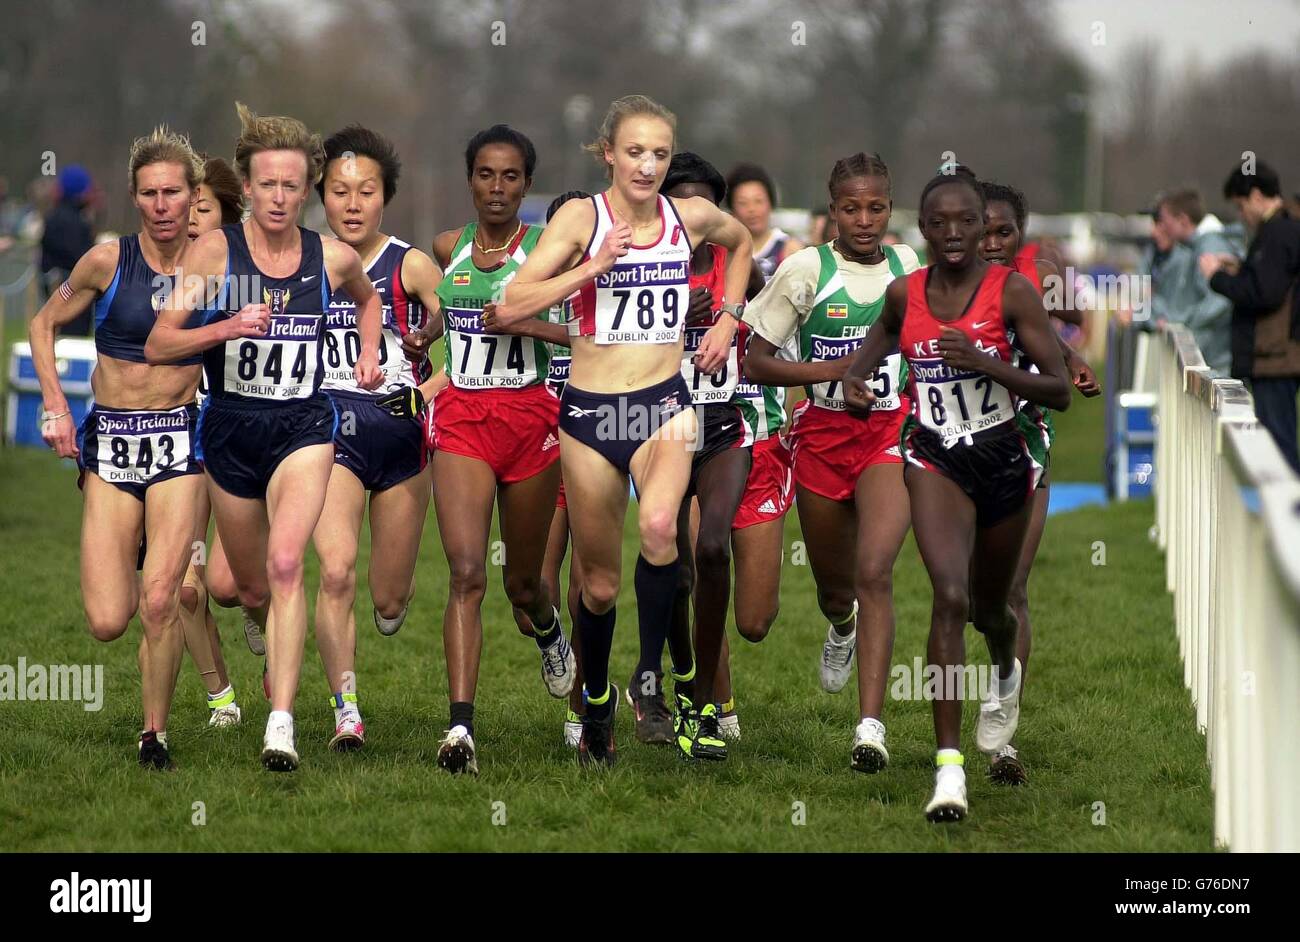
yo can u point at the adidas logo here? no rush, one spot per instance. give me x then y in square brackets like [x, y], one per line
[767, 507]
[894, 452]
[551, 442]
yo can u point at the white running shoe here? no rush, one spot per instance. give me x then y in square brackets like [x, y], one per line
[559, 668]
[998, 718]
[456, 751]
[869, 752]
[253, 633]
[224, 716]
[949, 801]
[572, 729]
[278, 753]
[389, 626]
[349, 733]
[729, 726]
[837, 656]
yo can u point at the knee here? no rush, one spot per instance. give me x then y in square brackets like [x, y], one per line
[338, 578]
[835, 604]
[658, 533]
[713, 553]
[284, 570]
[190, 598]
[157, 607]
[467, 579]
[952, 603]
[599, 591]
[990, 617]
[106, 626]
[523, 591]
[876, 579]
[1018, 598]
[755, 629]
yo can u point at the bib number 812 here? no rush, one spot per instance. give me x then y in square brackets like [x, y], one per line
[939, 407]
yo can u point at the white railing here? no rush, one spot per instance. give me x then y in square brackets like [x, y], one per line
[1228, 519]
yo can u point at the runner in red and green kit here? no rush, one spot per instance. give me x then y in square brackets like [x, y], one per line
[853, 505]
[495, 434]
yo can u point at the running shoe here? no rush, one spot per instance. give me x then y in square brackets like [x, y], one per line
[153, 752]
[389, 626]
[837, 656]
[728, 724]
[278, 752]
[998, 717]
[869, 752]
[349, 733]
[596, 745]
[253, 633]
[224, 716]
[559, 667]
[949, 801]
[654, 721]
[698, 736]
[572, 729]
[1006, 767]
[456, 752]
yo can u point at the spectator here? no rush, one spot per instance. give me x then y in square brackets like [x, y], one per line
[1265, 316]
[66, 238]
[1163, 262]
[1190, 301]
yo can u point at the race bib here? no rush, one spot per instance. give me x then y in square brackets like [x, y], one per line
[719, 387]
[884, 382]
[642, 302]
[136, 447]
[281, 365]
[484, 360]
[343, 349]
[957, 404]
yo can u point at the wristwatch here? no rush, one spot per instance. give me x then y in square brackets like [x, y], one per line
[735, 308]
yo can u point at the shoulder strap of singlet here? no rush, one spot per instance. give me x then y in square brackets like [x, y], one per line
[464, 245]
[828, 278]
[895, 262]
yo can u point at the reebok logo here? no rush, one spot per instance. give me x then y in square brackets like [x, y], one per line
[576, 412]
[76, 895]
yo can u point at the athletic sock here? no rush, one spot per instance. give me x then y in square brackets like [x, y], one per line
[851, 619]
[545, 634]
[598, 707]
[276, 716]
[462, 714]
[1007, 685]
[344, 704]
[221, 698]
[596, 635]
[684, 683]
[656, 587]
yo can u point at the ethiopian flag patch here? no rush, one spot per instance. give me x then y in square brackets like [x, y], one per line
[460, 279]
[837, 310]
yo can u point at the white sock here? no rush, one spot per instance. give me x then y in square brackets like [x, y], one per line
[952, 768]
[280, 716]
[1007, 685]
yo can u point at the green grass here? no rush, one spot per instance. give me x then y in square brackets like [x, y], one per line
[1107, 720]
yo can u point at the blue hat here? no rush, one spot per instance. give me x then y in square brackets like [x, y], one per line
[74, 180]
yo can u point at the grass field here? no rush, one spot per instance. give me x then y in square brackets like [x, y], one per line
[1106, 720]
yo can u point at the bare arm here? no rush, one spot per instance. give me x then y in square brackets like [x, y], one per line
[421, 276]
[536, 286]
[92, 275]
[1023, 311]
[706, 223]
[881, 339]
[169, 340]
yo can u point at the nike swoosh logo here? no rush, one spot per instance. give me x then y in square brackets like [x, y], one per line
[727, 426]
[978, 324]
[377, 280]
[307, 277]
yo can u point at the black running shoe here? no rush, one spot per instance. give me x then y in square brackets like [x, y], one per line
[596, 746]
[153, 753]
[698, 736]
[1006, 768]
[654, 721]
